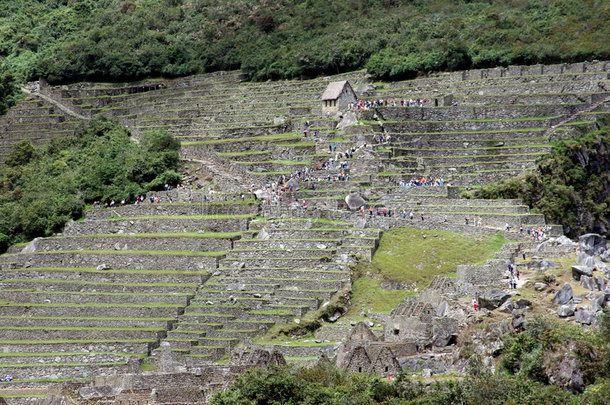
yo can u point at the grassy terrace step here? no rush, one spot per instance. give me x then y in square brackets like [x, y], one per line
[74, 370]
[465, 135]
[285, 272]
[500, 209]
[131, 310]
[138, 259]
[286, 243]
[43, 334]
[508, 79]
[45, 358]
[134, 346]
[161, 224]
[114, 275]
[176, 208]
[84, 321]
[227, 342]
[109, 286]
[135, 242]
[262, 138]
[27, 295]
[280, 252]
[268, 282]
[264, 262]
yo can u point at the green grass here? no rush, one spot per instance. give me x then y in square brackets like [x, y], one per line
[138, 252]
[405, 256]
[200, 216]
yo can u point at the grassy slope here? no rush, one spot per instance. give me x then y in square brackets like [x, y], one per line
[405, 256]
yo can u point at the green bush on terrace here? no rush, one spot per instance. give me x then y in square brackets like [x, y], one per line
[570, 186]
[42, 188]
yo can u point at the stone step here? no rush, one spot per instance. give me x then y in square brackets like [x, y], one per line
[118, 276]
[176, 208]
[42, 334]
[193, 325]
[286, 244]
[46, 359]
[234, 283]
[78, 345]
[199, 317]
[285, 272]
[449, 207]
[295, 293]
[227, 309]
[278, 252]
[138, 310]
[465, 112]
[86, 322]
[159, 224]
[175, 242]
[74, 370]
[191, 335]
[124, 259]
[470, 125]
[211, 352]
[227, 342]
[321, 262]
[41, 297]
[53, 285]
[239, 334]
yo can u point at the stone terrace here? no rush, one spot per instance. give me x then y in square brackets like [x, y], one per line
[35, 120]
[204, 277]
[500, 126]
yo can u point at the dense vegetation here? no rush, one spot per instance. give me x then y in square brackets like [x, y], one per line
[521, 378]
[41, 189]
[570, 187]
[71, 40]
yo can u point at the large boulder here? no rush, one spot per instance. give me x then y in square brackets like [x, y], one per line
[348, 118]
[579, 271]
[541, 265]
[592, 244]
[354, 201]
[564, 295]
[493, 298]
[598, 303]
[565, 310]
[589, 283]
[585, 316]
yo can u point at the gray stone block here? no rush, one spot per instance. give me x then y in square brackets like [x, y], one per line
[564, 295]
[565, 310]
[579, 271]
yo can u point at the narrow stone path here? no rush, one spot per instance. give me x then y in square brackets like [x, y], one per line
[69, 111]
[593, 106]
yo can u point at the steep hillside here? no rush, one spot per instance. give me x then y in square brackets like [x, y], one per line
[251, 260]
[73, 40]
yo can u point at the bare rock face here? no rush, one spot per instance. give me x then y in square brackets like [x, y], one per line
[354, 201]
[564, 295]
[589, 283]
[585, 316]
[493, 298]
[568, 375]
[565, 310]
[592, 244]
[579, 271]
[349, 118]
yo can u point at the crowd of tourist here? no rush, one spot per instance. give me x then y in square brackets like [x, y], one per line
[362, 105]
